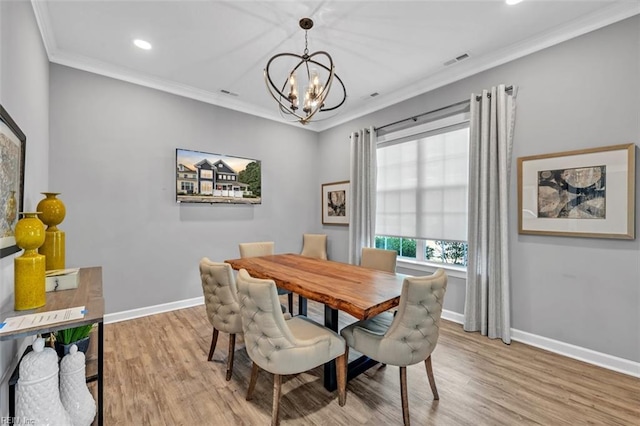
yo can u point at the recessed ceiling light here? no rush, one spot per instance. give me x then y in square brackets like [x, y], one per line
[142, 44]
[512, 2]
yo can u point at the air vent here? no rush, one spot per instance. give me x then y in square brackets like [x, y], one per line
[457, 59]
[226, 92]
[374, 94]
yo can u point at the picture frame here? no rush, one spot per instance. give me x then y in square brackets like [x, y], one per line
[215, 179]
[13, 143]
[335, 201]
[583, 193]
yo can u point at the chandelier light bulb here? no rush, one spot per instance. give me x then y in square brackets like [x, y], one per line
[293, 91]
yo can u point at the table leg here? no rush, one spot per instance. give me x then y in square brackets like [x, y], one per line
[12, 401]
[331, 322]
[302, 305]
[355, 367]
[100, 372]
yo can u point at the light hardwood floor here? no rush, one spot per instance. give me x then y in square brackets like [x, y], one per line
[156, 373]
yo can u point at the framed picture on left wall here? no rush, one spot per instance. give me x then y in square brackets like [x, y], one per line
[12, 156]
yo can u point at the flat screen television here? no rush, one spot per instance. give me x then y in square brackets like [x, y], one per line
[203, 177]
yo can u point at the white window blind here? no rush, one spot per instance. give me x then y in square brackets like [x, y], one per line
[422, 184]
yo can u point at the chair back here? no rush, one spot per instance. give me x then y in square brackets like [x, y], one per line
[266, 334]
[414, 332]
[382, 260]
[220, 296]
[264, 248]
[314, 245]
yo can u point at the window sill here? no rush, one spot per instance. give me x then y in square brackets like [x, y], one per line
[452, 270]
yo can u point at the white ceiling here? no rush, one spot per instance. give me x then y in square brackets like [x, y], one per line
[395, 48]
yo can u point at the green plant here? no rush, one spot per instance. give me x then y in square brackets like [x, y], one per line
[73, 334]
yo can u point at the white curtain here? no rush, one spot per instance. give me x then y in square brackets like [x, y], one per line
[487, 302]
[362, 220]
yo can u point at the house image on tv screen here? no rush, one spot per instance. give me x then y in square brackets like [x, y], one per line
[213, 178]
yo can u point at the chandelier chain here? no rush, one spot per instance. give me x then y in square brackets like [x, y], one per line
[306, 43]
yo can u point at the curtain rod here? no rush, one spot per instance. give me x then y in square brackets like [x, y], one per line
[507, 89]
[415, 117]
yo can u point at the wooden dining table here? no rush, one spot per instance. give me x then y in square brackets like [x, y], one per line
[360, 292]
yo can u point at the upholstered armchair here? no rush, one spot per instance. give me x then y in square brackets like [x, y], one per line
[221, 303]
[284, 347]
[382, 260]
[265, 248]
[408, 337]
[314, 245]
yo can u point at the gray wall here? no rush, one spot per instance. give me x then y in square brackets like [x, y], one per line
[24, 92]
[579, 94]
[113, 159]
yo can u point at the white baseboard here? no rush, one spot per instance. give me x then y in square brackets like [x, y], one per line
[152, 310]
[453, 316]
[600, 359]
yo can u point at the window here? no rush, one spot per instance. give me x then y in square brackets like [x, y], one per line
[206, 188]
[206, 174]
[422, 191]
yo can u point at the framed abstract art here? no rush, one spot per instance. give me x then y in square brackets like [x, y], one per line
[584, 193]
[335, 203]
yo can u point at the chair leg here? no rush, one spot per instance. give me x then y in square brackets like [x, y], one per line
[252, 381]
[403, 395]
[214, 340]
[341, 373]
[432, 380]
[232, 349]
[277, 384]
[290, 300]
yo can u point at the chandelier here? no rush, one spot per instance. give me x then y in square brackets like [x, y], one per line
[315, 72]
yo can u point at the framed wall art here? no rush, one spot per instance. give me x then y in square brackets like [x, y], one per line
[203, 177]
[335, 203]
[12, 155]
[584, 193]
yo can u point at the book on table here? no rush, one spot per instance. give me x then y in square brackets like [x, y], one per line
[61, 279]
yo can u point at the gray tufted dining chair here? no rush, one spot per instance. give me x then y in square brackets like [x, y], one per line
[408, 337]
[264, 248]
[221, 303]
[284, 347]
[382, 260]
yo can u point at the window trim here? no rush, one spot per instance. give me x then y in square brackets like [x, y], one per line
[456, 271]
[432, 126]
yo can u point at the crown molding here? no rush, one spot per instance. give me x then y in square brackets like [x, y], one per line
[474, 65]
[41, 10]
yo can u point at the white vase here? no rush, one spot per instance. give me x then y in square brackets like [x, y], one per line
[37, 392]
[75, 395]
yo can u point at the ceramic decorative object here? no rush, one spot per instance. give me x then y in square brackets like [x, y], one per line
[37, 392]
[52, 213]
[74, 394]
[81, 345]
[29, 269]
[11, 213]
